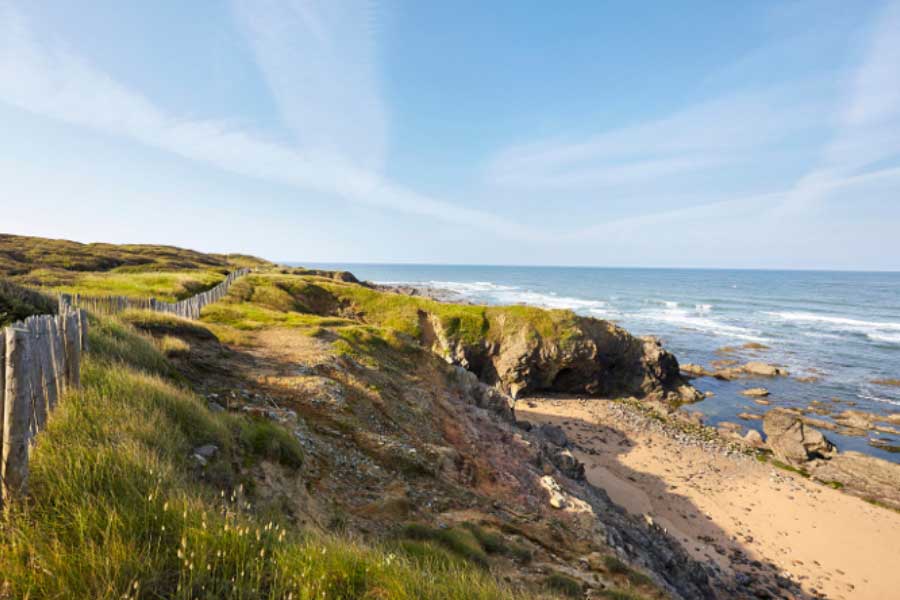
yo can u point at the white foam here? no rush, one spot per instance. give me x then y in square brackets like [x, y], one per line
[700, 322]
[835, 321]
[703, 308]
[890, 338]
[509, 294]
[879, 331]
[874, 398]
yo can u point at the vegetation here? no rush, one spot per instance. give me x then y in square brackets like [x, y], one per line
[166, 286]
[17, 303]
[21, 255]
[116, 508]
[565, 585]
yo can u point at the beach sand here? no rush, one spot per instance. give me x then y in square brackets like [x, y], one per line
[747, 517]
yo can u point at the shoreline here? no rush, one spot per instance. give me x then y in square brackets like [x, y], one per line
[727, 405]
[727, 508]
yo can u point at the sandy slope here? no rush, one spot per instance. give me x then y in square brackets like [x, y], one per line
[747, 517]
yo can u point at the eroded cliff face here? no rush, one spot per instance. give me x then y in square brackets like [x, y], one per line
[595, 357]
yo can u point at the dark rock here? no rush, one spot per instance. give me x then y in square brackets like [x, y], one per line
[554, 434]
[524, 425]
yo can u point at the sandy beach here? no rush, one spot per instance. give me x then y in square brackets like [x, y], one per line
[750, 519]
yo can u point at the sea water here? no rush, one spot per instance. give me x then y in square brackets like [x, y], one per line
[840, 328]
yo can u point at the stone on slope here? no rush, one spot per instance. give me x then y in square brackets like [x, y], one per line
[793, 442]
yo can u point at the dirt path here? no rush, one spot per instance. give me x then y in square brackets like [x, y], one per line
[732, 509]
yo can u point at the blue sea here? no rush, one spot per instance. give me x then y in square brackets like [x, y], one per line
[841, 327]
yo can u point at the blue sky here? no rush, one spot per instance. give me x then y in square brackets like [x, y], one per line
[697, 134]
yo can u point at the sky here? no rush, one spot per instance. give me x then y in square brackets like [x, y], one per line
[657, 134]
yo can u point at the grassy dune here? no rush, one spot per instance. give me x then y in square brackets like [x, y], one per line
[116, 508]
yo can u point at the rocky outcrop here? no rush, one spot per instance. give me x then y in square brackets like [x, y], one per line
[595, 358]
[861, 475]
[793, 442]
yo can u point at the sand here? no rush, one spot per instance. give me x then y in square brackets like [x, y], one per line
[732, 509]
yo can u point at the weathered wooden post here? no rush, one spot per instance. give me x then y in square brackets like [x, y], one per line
[17, 411]
[72, 348]
[57, 359]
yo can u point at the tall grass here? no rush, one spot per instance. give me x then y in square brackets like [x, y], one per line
[118, 509]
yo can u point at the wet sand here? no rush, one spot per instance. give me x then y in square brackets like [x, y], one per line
[729, 508]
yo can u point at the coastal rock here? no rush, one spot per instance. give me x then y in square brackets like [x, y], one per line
[758, 392]
[564, 460]
[590, 356]
[861, 475]
[692, 370]
[754, 439]
[793, 442]
[556, 498]
[555, 434]
[764, 370]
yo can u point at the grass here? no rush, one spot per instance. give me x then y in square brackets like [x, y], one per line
[765, 457]
[164, 324]
[168, 286]
[117, 510]
[172, 346]
[459, 323]
[564, 585]
[616, 567]
[17, 303]
[21, 256]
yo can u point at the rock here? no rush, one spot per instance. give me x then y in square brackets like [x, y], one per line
[757, 392]
[692, 370]
[754, 439]
[215, 406]
[554, 434]
[885, 444]
[524, 425]
[855, 419]
[749, 416]
[764, 369]
[862, 475]
[594, 357]
[762, 401]
[564, 460]
[793, 442]
[557, 499]
[207, 451]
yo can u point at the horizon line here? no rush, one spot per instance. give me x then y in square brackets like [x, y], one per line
[294, 263]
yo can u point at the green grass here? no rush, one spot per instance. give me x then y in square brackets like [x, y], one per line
[17, 303]
[21, 256]
[167, 286]
[564, 585]
[616, 567]
[164, 323]
[766, 457]
[116, 508]
[267, 440]
[251, 317]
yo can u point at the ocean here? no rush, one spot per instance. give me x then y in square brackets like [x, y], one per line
[841, 329]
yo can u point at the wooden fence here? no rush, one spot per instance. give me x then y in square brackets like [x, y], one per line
[189, 308]
[40, 358]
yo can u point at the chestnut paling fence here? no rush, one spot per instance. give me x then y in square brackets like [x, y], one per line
[40, 359]
[188, 308]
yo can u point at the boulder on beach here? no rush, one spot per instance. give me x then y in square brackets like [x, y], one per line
[757, 392]
[791, 440]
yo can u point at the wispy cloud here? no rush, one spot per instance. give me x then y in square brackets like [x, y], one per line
[54, 82]
[699, 138]
[320, 61]
[868, 125]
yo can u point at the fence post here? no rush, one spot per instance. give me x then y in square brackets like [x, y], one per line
[17, 411]
[72, 348]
